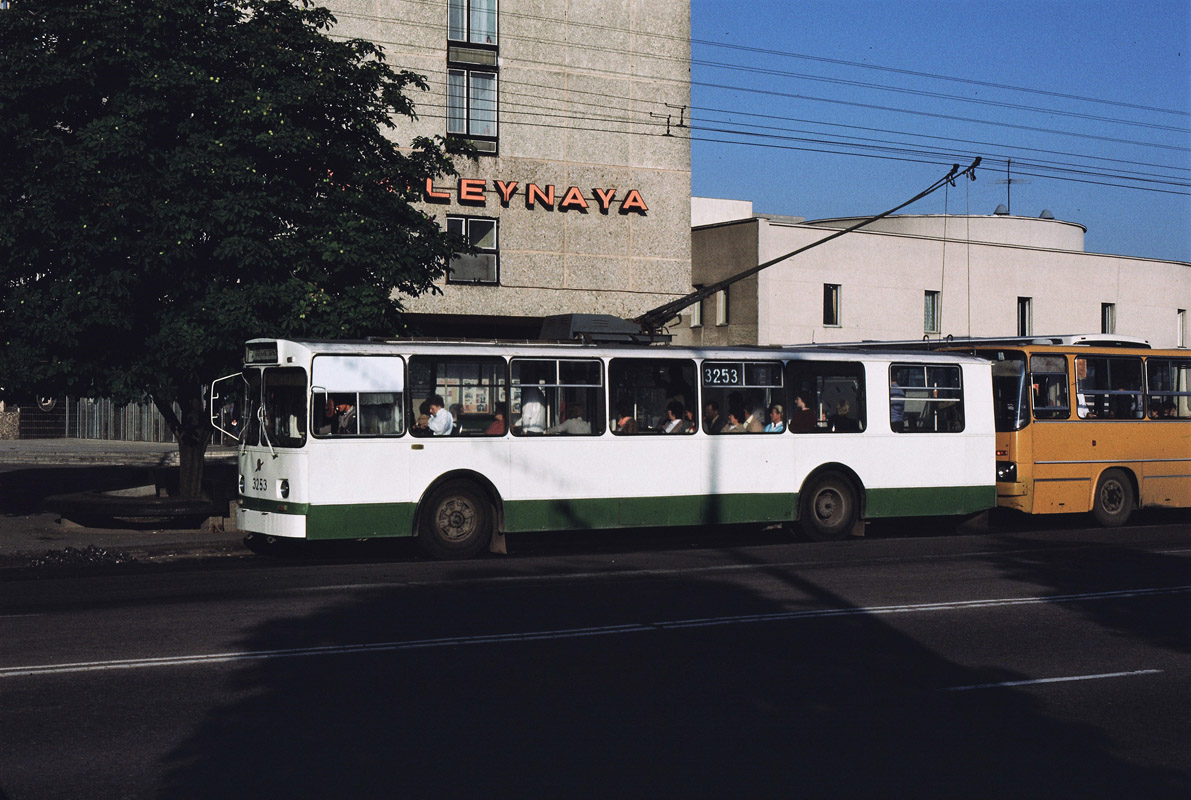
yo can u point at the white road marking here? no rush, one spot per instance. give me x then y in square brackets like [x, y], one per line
[570, 633]
[1052, 680]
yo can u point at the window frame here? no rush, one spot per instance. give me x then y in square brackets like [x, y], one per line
[717, 386]
[932, 316]
[832, 291]
[494, 251]
[943, 403]
[1025, 316]
[1104, 399]
[555, 396]
[1179, 398]
[467, 132]
[466, 7]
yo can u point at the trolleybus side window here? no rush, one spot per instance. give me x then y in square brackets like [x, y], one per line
[1169, 383]
[826, 396]
[557, 396]
[925, 398]
[648, 393]
[1048, 376]
[1108, 387]
[746, 395]
[473, 390]
[357, 396]
[285, 406]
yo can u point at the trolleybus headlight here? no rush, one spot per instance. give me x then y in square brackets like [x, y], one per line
[241, 484]
[284, 488]
[1006, 472]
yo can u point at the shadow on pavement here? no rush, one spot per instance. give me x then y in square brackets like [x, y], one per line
[822, 706]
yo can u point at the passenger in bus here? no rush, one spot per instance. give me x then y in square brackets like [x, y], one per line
[841, 421]
[777, 419]
[675, 418]
[897, 406]
[736, 418]
[574, 423]
[755, 422]
[533, 411]
[802, 418]
[497, 427]
[441, 422]
[625, 422]
[712, 421]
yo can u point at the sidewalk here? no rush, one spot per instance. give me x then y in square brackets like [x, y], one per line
[33, 469]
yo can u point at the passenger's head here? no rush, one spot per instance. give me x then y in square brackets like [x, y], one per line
[574, 411]
[738, 415]
[711, 410]
[843, 408]
[435, 402]
[776, 412]
[675, 409]
[800, 402]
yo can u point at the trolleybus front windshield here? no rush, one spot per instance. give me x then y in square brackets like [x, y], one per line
[1011, 403]
[279, 402]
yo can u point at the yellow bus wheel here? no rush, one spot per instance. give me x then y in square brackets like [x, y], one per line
[1113, 502]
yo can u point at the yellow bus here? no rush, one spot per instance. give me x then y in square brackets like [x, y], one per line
[1088, 423]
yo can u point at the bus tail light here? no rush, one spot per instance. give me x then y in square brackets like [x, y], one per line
[1002, 453]
[284, 488]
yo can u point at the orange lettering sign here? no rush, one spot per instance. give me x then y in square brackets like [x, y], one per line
[534, 194]
[633, 202]
[573, 199]
[506, 190]
[604, 198]
[431, 194]
[471, 190]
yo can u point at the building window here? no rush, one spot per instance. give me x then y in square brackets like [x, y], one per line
[721, 307]
[1180, 334]
[471, 103]
[482, 266]
[471, 21]
[831, 304]
[1025, 316]
[930, 312]
[1108, 318]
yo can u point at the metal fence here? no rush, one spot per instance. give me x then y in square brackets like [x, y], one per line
[89, 418]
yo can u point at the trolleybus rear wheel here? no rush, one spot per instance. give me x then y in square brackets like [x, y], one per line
[1113, 502]
[829, 508]
[457, 521]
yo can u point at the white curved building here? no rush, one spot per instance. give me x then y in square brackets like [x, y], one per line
[905, 277]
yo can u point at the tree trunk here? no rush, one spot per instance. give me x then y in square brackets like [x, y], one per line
[193, 432]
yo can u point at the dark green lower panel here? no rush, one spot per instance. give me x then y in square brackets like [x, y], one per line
[931, 502]
[397, 519]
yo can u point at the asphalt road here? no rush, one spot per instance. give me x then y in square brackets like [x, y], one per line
[1027, 663]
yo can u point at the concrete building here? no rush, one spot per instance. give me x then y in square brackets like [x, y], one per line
[910, 276]
[579, 199]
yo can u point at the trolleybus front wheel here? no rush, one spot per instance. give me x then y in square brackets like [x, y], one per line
[457, 521]
[829, 509]
[1113, 502]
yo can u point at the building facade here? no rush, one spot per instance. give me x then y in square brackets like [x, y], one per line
[906, 277]
[578, 199]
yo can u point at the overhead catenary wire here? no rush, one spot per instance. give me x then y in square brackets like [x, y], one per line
[656, 318]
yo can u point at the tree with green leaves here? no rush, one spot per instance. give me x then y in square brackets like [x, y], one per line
[183, 175]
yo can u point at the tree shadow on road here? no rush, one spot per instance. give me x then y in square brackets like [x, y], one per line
[809, 705]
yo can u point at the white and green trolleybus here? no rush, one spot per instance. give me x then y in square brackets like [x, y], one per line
[456, 442]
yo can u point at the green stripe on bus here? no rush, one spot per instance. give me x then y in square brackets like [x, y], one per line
[929, 502]
[363, 520]
[634, 512]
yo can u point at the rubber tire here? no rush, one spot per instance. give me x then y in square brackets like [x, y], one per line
[829, 509]
[1113, 501]
[456, 522]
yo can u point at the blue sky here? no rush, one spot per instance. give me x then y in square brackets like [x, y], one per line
[845, 108]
